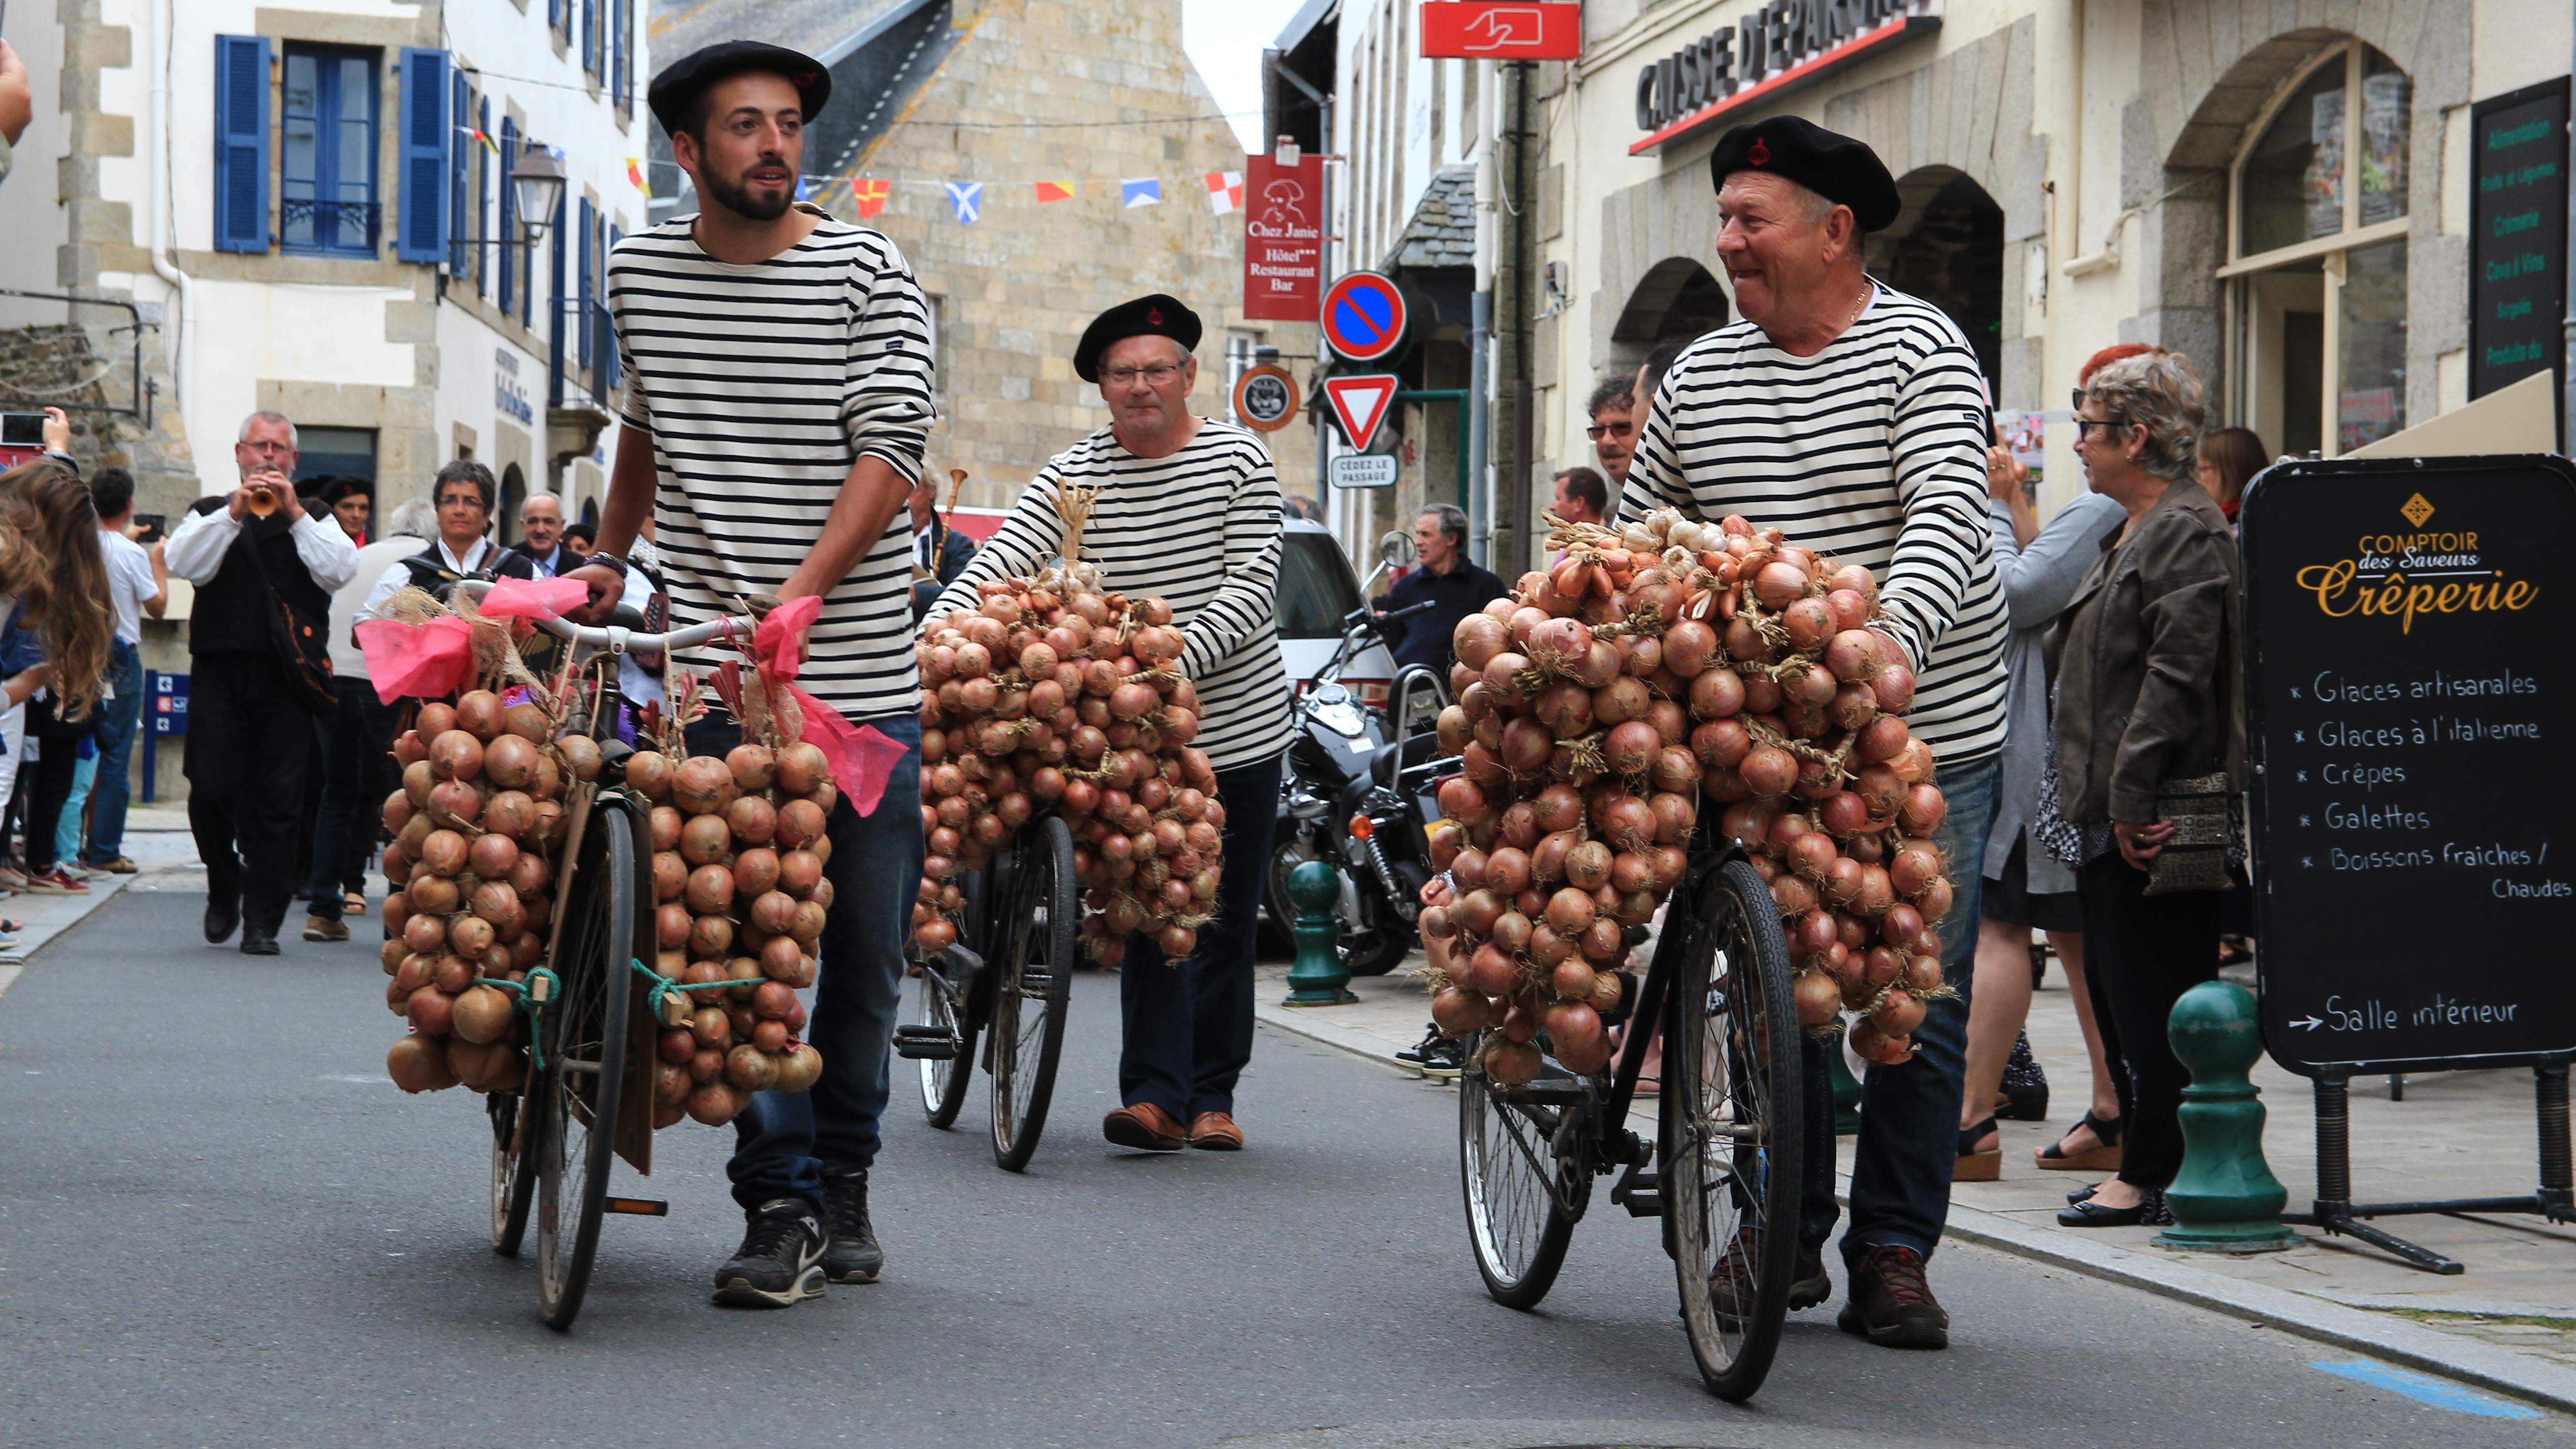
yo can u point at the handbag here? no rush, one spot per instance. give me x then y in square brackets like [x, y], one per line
[303, 647]
[2195, 857]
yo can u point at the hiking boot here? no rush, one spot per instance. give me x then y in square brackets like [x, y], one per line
[852, 1256]
[1891, 1304]
[1731, 1285]
[779, 1262]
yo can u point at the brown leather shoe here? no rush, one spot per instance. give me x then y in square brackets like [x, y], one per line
[1891, 1304]
[1144, 1126]
[1216, 1132]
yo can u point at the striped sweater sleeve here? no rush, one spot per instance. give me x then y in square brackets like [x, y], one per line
[885, 388]
[1940, 437]
[1252, 546]
[1028, 540]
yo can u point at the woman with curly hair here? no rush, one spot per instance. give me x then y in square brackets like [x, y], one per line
[50, 562]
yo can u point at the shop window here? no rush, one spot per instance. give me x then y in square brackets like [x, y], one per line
[329, 170]
[2316, 270]
[1948, 250]
[335, 453]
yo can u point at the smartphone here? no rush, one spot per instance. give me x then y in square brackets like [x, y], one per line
[150, 528]
[22, 430]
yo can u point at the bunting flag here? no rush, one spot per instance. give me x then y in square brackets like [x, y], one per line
[471, 133]
[1054, 191]
[968, 198]
[1225, 191]
[870, 195]
[635, 174]
[1145, 191]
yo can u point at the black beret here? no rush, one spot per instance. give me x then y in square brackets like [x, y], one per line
[1835, 167]
[1154, 316]
[332, 490]
[678, 87]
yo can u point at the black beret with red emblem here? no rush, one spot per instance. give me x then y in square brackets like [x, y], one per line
[1835, 167]
[674, 93]
[1154, 316]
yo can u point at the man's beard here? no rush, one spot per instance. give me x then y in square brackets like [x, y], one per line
[737, 197]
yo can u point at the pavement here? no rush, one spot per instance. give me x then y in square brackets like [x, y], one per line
[2508, 1322]
[234, 1231]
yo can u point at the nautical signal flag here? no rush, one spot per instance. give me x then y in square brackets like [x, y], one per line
[968, 198]
[488, 143]
[1225, 191]
[635, 175]
[1054, 191]
[870, 195]
[1145, 192]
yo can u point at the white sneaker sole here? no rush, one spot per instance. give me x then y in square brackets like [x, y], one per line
[740, 1294]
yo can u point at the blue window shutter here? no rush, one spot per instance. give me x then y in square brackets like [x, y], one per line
[421, 233]
[607, 322]
[486, 254]
[623, 22]
[508, 231]
[585, 240]
[460, 177]
[241, 143]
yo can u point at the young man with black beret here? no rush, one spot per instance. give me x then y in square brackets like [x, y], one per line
[777, 402]
[1854, 418]
[1188, 510]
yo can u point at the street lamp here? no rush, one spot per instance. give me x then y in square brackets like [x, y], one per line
[538, 182]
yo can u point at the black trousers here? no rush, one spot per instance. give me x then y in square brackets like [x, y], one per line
[2141, 953]
[247, 742]
[53, 781]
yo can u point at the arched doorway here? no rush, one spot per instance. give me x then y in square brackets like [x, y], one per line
[514, 491]
[1677, 299]
[1947, 247]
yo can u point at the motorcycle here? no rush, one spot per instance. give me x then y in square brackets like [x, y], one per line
[1358, 793]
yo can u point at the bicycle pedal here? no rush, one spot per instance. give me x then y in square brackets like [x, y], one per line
[925, 1043]
[1645, 1204]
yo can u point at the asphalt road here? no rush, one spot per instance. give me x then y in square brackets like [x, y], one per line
[220, 1225]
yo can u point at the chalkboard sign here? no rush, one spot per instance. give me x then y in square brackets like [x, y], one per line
[2410, 712]
[2518, 236]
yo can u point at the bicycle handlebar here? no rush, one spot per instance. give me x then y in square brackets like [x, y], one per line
[617, 640]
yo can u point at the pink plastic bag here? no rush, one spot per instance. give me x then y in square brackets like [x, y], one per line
[862, 757]
[534, 598]
[428, 661]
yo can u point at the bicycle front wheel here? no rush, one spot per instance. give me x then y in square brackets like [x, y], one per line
[1033, 981]
[1730, 1124]
[936, 1005]
[1523, 1193]
[578, 1094]
[514, 1183]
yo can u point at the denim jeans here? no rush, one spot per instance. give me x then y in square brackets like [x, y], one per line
[343, 827]
[786, 1143]
[1909, 1115]
[1188, 1027]
[67, 832]
[120, 720]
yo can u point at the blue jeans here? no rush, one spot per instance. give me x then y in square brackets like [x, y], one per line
[1188, 1028]
[786, 1143]
[353, 739]
[120, 720]
[1909, 1115]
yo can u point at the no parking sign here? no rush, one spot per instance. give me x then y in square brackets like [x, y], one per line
[1363, 317]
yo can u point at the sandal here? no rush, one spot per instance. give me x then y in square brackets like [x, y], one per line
[2103, 1156]
[353, 903]
[1976, 1166]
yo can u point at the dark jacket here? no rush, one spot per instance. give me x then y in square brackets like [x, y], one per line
[953, 555]
[1455, 594]
[2148, 663]
[230, 615]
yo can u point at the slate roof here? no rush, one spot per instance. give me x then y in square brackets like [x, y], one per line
[1442, 232]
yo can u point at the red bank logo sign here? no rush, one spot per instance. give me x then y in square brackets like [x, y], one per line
[1485, 30]
[1283, 239]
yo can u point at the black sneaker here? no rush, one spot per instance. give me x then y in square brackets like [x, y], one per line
[1436, 1055]
[779, 1262]
[853, 1255]
[1809, 1283]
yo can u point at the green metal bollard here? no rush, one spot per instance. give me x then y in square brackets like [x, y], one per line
[2225, 1199]
[1318, 978]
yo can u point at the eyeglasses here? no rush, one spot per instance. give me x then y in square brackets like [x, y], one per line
[1615, 430]
[271, 448]
[1156, 375]
[2082, 422]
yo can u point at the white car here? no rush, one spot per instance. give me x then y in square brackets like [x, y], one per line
[1317, 590]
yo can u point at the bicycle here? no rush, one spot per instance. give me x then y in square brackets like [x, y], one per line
[555, 1143]
[1006, 982]
[1724, 1170]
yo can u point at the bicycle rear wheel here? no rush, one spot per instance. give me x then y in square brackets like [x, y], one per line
[1032, 982]
[1730, 1123]
[514, 1185]
[577, 1096]
[936, 1005]
[1524, 1192]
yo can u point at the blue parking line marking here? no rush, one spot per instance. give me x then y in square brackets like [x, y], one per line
[2424, 1389]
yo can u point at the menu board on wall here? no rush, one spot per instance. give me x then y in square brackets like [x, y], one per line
[2517, 236]
[2407, 719]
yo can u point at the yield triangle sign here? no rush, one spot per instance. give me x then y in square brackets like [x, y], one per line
[1360, 404]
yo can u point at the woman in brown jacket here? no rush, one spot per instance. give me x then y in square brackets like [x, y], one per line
[2145, 660]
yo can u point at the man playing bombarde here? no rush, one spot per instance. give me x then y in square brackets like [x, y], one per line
[778, 395]
[1853, 418]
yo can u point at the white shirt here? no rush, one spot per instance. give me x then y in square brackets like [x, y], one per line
[393, 579]
[196, 551]
[375, 562]
[129, 582]
[547, 563]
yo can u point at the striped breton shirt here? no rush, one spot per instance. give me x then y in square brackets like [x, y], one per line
[761, 385]
[1201, 529]
[1870, 452]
